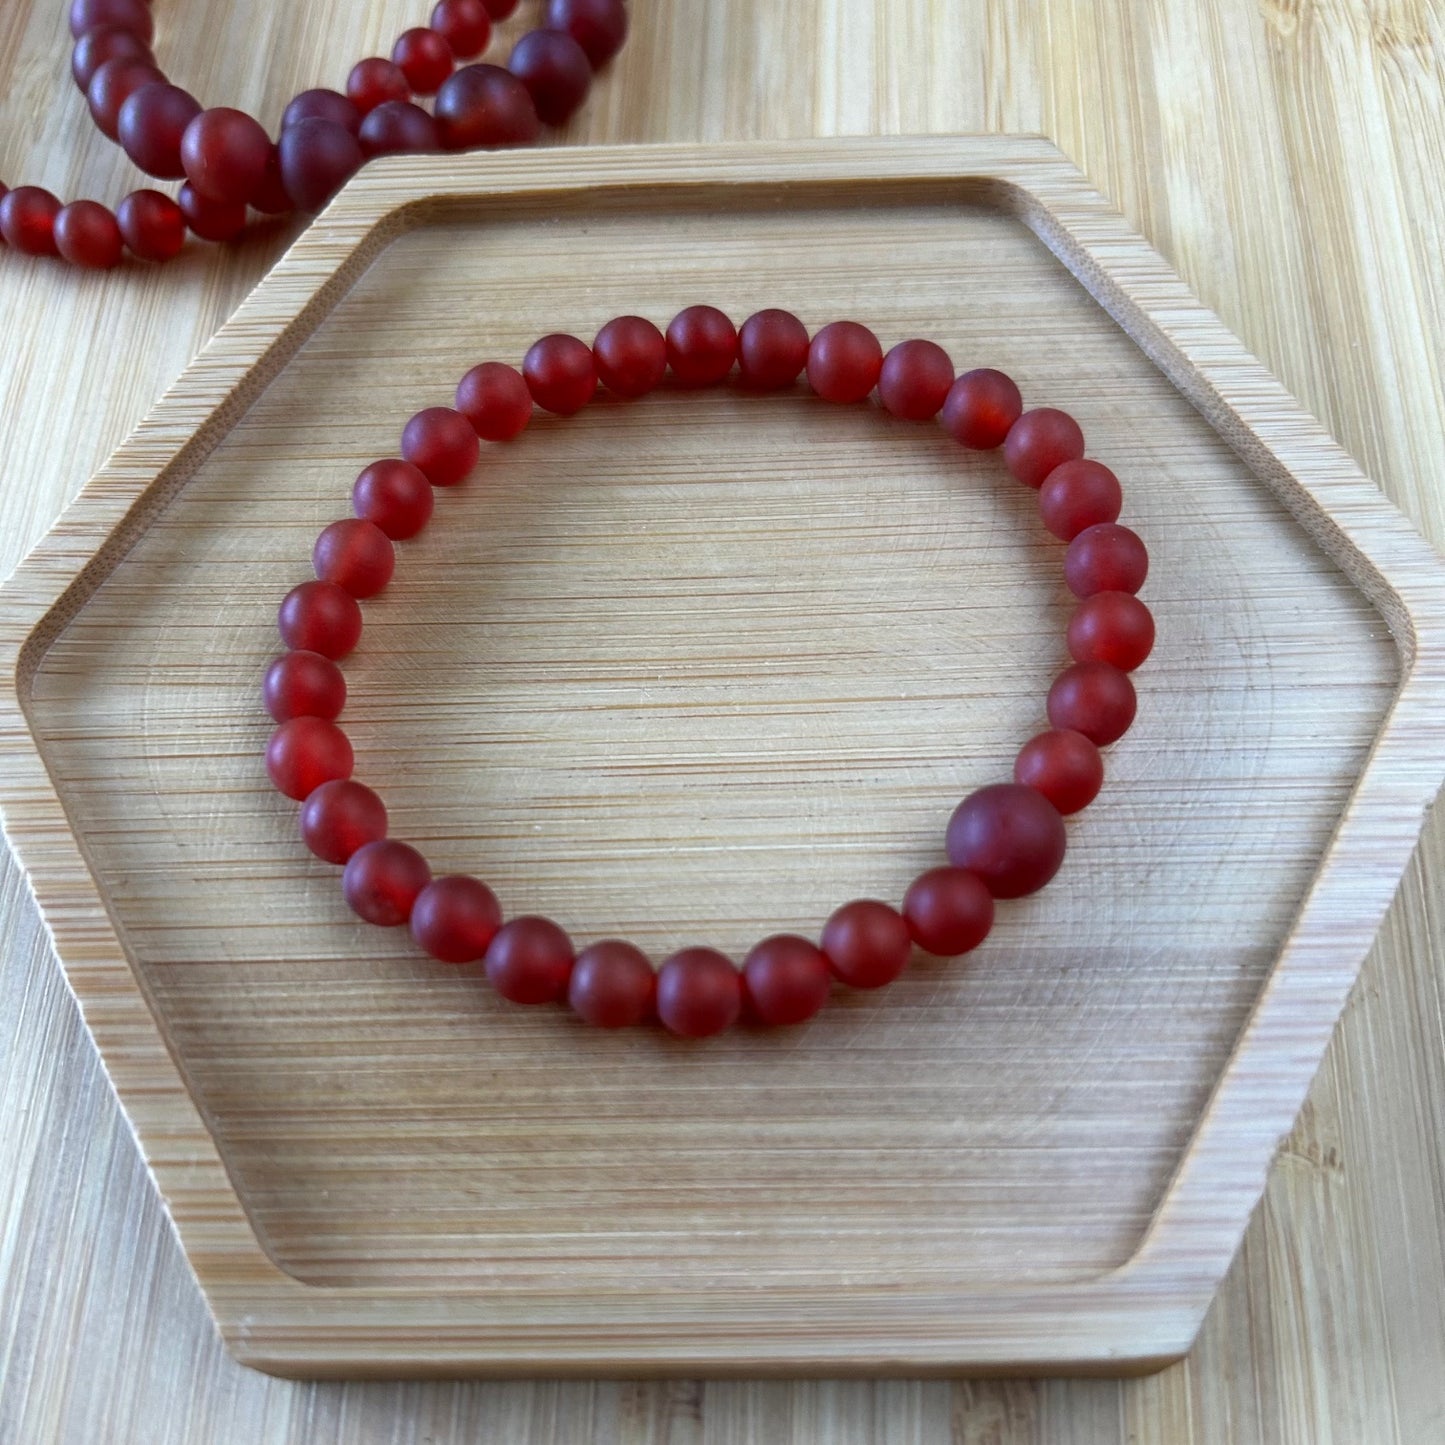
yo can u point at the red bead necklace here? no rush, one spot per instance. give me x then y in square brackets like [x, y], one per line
[229, 162]
[1003, 841]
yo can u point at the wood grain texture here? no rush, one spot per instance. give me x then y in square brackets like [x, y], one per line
[1334, 91]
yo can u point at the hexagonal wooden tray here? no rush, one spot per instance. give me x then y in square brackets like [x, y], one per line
[695, 669]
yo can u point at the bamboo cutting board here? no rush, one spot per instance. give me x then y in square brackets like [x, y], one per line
[698, 669]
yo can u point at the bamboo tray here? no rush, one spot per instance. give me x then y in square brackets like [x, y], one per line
[698, 669]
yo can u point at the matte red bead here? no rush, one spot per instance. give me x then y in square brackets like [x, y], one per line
[699, 993]
[613, 986]
[1106, 558]
[1062, 765]
[702, 345]
[1079, 494]
[494, 397]
[1039, 441]
[556, 72]
[341, 817]
[949, 911]
[224, 154]
[270, 197]
[383, 881]
[866, 943]
[375, 80]
[1011, 836]
[844, 361]
[152, 225]
[598, 26]
[211, 220]
[1112, 627]
[441, 443]
[27, 220]
[151, 124]
[322, 104]
[86, 234]
[105, 42]
[132, 15]
[396, 127]
[318, 157]
[394, 495]
[530, 961]
[425, 58]
[980, 408]
[785, 980]
[500, 9]
[113, 84]
[631, 356]
[320, 617]
[1095, 699]
[303, 684]
[915, 380]
[464, 25]
[305, 752]
[356, 555]
[560, 373]
[484, 105]
[772, 349]
[456, 918]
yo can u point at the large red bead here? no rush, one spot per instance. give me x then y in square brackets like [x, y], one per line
[152, 225]
[613, 986]
[102, 43]
[500, 9]
[464, 25]
[375, 80]
[456, 918]
[322, 104]
[383, 880]
[356, 555]
[1062, 765]
[530, 961]
[980, 408]
[86, 234]
[425, 58]
[484, 105]
[772, 349]
[631, 356]
[556, 72]
[27, 220]
[1039, 441]
[699, 993]
[1010, 836]
[1112, 627]
[1106, 558]
[1095, 699]
[398, 127]
[395, 496]
[785, 980]
[320, 617]
[495, 399]
[598, 26]
[270, 197]
[866, 943]
[1079, 494]
[441, 443]
[132, 15]
[224, 154]
[948, 911]
[112, 84]
[318, 157]
[844, 361]
[305, 752]
[560, 373]
[340, 818]
[303, 684]
[151, 124]
[915, 380]
[211, 220]
[702, 345]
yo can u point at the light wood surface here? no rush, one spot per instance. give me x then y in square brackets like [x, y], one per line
[1311, 1339]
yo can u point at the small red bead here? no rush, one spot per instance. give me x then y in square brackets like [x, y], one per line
[1011, 836]
[598, 26]
[456, 918]
[1095, 699]
[1039, 441]
[949, 911]
[152, 225]
[340, 818]
[132, 15]
[980, 408]
[113, 84]
[556, 72]
[844, 361]
[702, 345]
[425, 58]
[484, 105]
[383, 881]
[396, 127]
[785, 980]
[613, 986]
[1106, 558]
[322, 104]
[375, 80]
[27, 220]
[303, 684]
[86, 234]
[1062, 765]
[305, 752]
[464, 25]
[631, 356]
[151, 125]
[560, 373]
[1112, 627]
[320, 617]
[699, 993]
[224, 154]
[772, 349]
[495, 399]
[441, 443]
[915, 380]
[866, 943]
[356, 555]
[394, 495]
[105, 42]
[318, 157]
[212, 220]
[530, 961]
[1079, 494]
[500, 9]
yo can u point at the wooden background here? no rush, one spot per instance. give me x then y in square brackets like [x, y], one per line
[1286, 158]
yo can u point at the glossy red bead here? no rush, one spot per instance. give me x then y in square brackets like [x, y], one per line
[484, 105]
[318, 157]
[1039, 441]
[631, 356]
[555, 70]
[320, 617]
[1112, 627]
[132, 15]
[598, 26]
[396, 127]
[1095, 699]
[303, 684]
[27, 220]
[383, 880]
[495, 398]
[425, 58]
[1062, 765]
[1079, 494]
[395, 496]
[224, 154]
[441, 443]
[915, 380]
[785, 980]
[702, 345]
[699, 993]
[152, 225]
[949, 911]
[211, 220]
[613, 986]
[530, 961]
[844, 361]
[112, 84]
[356, 555]
[456, 918]
[86, 234]
[866, 943]
[151, 125]
[305, 752]
[772, 349]
[560, 373]
[105, 42]
[322, 104]
[464, 25]
[980, 408]
[1011, 836]
[340, 818]
[1105, 558]
[375, 80]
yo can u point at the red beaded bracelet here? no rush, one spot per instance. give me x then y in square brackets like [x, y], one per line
[1004, 841]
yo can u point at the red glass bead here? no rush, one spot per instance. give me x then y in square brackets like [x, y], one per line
[1011, 836]
[1039, 441]
[320, 617]
[340, 818]
[375, 80]
[152, 225]
[305, 752]
[151, 124]
[105, 42]
[397, 126]
[560, 373]
[980, 408]
[456, 918]
[772, 349]
[699, 993]
[383, 881]
[211, 220]
[270, 196]
[86, 234]
[1062, 765]
[27, 220]
[494, 397]
[555, 70]
[949, 911]
[464, 25]
[598, 26]
[303, 684]
[702, 345]
[441, 443]
[224, 154]
[530, 961]
[1106, 558]
[318, 157]
[1095, 699]
[322, 104]
[424, 57]
[132, 15]
[866, 943]
[1079, 494]
[500, 9]
[785, 980]
[113, 84]
[844, 361]
[394, 495]
[1112, 627]
[915, 380]
[631, 356]
[356, 555]
[484, 105]
[613, 986]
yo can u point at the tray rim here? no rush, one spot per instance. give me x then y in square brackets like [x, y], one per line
[1138, 1316]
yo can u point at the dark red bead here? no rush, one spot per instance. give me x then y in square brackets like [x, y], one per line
[702, 345]
[1079, 494]
[785, 980]
[441, 443]
[1112, 627]
[341, 817]
[395, 495]
[1062, 765]
[598, 26]
[495, 398]
[105, 42]
[1106, 558]
[500, 9]
[424, 57]
[152, 225]
[398, 126]
[86, 234]
[915, 380]
[464, 25]
[113, 84]
[132, 15]
[980, 408]
[270, 197]
[373, 81]
[383, 881]
[356, 555]
[211, 220]
[699, 993]
[305, 752]
[772, 349]
[224, 154]
[151, 125]
[844, 361]
[27, 220]
[320, 617]
[1039, 441]
[322, 104]
[866, 943]
[613, 986]
[318, 157]
[530, 961]
[948, 911]
[456, 918]
[1095, 699]
[631, 356]
[303, 684]
[1010, 835]
[560, 373]
[484, 105]
[555, 70]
